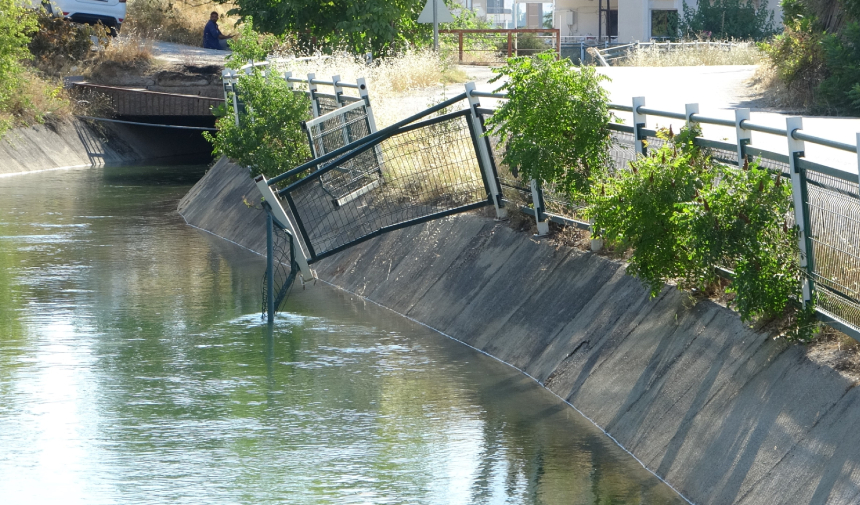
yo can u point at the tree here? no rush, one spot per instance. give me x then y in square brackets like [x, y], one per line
[378, 26]
[728, 19]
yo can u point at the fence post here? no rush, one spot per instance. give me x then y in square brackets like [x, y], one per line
[744, 136]
[270, 267]
[287, 76]
[364, 93]
[484, 153]
[801, 210]
[689, 110]
[460, 43]
[312, 93]
[858, 160]
[538, 204]
[639, 123]
[338, 89]
[510, 43]
[282, 217]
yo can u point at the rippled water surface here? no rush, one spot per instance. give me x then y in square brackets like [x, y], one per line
[134, 368]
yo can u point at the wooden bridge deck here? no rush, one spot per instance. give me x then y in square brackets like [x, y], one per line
[140, 102]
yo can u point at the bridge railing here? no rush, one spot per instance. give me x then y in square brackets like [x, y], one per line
[826, 191]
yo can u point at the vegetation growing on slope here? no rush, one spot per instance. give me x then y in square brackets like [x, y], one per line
[554, 124]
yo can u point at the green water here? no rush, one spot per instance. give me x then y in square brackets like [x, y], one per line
[134, 368]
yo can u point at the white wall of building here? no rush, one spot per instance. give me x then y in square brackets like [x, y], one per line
[634, 16]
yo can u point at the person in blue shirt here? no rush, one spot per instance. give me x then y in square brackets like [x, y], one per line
[212, 36]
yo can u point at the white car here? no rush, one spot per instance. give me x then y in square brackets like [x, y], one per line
[110, 13]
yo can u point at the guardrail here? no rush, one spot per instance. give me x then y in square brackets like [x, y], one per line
[826, 198]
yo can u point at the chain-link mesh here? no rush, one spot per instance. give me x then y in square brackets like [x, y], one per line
[429, 169]
[326, 104]
[285, 268]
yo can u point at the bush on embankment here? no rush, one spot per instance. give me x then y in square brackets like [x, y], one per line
[678, 211]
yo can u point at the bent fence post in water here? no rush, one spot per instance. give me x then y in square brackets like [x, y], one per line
[282, 217]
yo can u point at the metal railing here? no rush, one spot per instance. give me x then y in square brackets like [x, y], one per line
[483, 47]
[608, 55]
[826, 198]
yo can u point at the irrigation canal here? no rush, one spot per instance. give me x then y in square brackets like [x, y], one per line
[134, 367]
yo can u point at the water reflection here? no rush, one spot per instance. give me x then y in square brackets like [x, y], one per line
[134, 366]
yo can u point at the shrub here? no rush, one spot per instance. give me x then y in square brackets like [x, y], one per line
[268, 139]
[683, 215]
[636, 209]
[554, 124]
[728, 19]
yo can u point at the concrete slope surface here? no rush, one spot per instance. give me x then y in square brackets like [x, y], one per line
[723, 413]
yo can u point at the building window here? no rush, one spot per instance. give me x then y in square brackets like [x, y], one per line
[664, 24]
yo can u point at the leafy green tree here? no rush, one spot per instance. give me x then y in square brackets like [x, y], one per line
[554, 124]
[368, 25]
[17, 24]
[728, 19]
[268, 139]
[250, 45]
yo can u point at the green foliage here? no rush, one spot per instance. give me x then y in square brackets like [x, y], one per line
[636, 209]
[372, 25]
[269, 139]
[728, 19]
[683, 215]
[740, 222]
[17, 24]
[840, 90]
[554, 124]
[797, 53]
[249, 45]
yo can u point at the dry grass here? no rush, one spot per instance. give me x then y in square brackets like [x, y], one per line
[399, 85]
[744, 53]
[838, 351]
[126, 55]
[181, 22]
[774, 92]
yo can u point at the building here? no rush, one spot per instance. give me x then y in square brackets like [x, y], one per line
[624, 20]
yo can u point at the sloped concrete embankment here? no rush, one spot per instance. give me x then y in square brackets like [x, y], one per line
[74, 143]
[724, 414]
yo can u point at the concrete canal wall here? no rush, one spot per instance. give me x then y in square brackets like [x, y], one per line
[72, 143]
[721, 412]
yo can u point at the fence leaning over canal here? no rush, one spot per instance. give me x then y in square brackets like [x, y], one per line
[826, 198]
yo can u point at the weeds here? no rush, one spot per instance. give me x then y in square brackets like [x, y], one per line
[704, 53]
[181, 22]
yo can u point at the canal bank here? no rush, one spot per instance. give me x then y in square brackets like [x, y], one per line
[73, 142]
[722, 413]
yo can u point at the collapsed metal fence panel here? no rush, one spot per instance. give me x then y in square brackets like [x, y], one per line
[432, 168]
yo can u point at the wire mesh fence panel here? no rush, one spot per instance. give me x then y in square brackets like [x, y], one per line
[623, 150]
[285, 269]
[431, 169]
[834, 222]
[326, 104]
[328, 134]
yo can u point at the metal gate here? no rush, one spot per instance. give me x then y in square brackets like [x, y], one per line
[431, 165]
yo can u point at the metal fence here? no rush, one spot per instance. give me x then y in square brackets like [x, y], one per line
[826, 198]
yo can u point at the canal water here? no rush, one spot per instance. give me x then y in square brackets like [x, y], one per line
[135, 368]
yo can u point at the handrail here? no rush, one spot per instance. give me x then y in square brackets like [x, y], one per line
[744, 124]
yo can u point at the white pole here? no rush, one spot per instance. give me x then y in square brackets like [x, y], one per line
[435, 25]
[278, 213]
